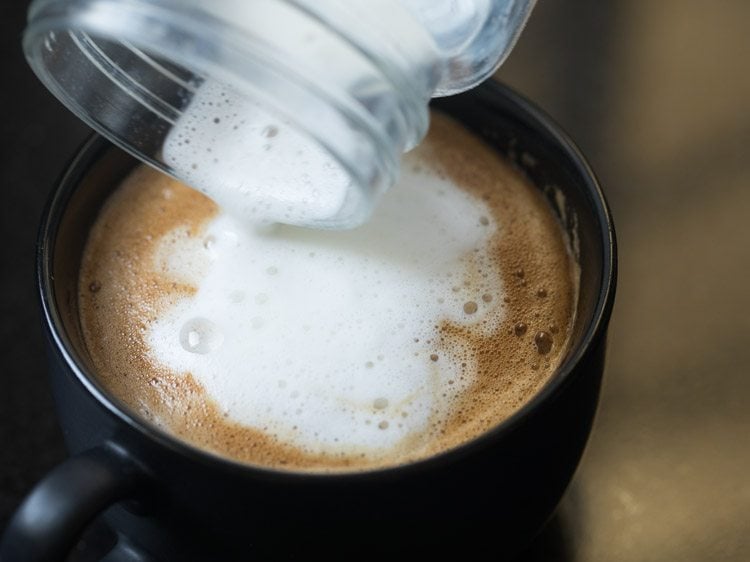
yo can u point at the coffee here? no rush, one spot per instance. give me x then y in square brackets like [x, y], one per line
[333, 351]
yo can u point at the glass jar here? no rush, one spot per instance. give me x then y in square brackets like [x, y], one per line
[293, 111]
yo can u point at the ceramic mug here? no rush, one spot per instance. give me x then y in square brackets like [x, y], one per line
[158, 498]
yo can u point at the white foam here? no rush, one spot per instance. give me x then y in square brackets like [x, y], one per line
[252, 163]
[322, 338]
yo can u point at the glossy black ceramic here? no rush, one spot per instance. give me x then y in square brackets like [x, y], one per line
[160, 499]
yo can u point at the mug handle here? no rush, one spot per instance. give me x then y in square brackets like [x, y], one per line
[52, 518]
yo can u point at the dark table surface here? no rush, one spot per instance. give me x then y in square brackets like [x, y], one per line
[657, 94]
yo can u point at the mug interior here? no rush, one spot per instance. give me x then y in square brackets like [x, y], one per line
[500, 117]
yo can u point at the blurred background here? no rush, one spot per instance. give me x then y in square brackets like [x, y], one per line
[657, 94]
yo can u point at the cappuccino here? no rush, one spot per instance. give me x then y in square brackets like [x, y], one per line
[332, 351]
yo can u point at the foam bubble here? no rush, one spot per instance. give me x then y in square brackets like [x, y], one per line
[380, 403]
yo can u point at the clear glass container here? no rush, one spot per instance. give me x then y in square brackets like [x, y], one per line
[293, 111]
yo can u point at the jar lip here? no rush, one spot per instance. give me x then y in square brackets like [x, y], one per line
[487, 49]
[380, 45]
[202, 46]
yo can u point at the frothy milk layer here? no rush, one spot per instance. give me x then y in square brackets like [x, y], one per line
[324, 339]
[322, 350]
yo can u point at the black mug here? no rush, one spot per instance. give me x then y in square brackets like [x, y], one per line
[160, 499]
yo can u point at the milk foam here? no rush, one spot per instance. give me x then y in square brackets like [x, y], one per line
[328, 340]
[252, 163]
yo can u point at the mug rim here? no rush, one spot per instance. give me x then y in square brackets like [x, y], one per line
[532, 115]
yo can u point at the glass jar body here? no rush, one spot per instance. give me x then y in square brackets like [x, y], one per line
[315, 100]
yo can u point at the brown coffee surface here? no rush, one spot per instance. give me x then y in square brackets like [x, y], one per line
[123, 289]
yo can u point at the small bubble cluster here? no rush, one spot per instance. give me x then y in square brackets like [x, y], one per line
[543, 342]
